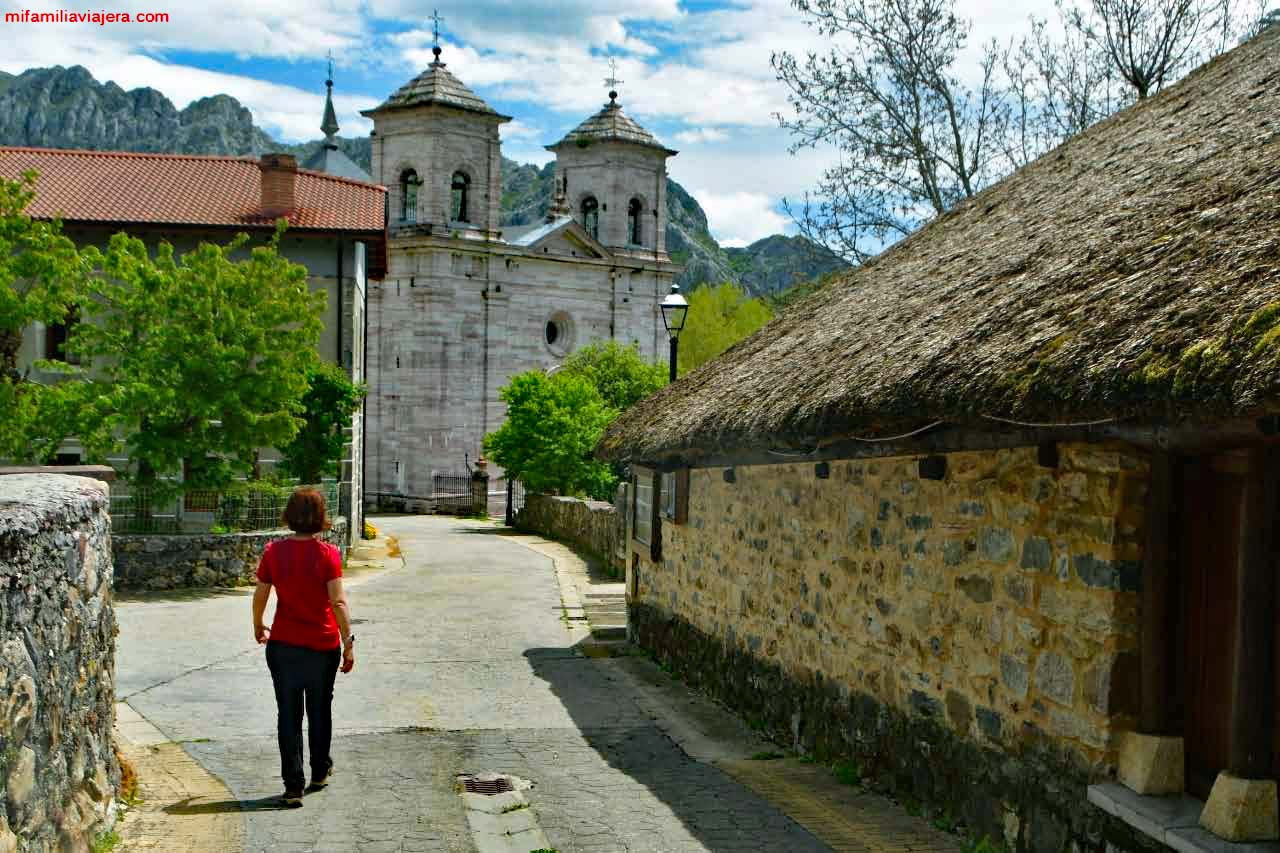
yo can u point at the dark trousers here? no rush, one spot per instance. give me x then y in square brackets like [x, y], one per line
[302, 675]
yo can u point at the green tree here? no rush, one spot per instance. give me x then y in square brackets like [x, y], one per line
[200, 359]
[42, 277]
[618, 372]
[328, 405]
[718, 318]
[553, 424]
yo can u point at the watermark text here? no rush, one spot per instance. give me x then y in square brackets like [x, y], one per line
[101, 18]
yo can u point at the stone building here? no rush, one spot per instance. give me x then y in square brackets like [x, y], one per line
[468, 303]
[995, 515]
[336, 230]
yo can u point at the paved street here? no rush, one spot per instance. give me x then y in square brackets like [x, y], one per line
[465, 665]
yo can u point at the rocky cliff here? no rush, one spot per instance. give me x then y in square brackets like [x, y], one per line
[778, 263]
[67, 108]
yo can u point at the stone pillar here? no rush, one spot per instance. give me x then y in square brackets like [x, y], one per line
[57, 675]
[480, 488]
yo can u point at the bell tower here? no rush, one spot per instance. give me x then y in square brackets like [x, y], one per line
[436, 149]
[614, 176]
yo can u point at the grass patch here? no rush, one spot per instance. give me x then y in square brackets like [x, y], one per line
[545, 850]
[945, 822]
[105, 842]
[767, 756]
[515, 808]
[847, 773]
[808, 759]
[986, 845]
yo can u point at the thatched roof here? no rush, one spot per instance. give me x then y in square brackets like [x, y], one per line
[1132, 273]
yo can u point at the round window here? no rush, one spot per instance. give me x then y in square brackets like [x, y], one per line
[558, 333]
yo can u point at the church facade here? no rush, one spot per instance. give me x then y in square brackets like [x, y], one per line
[468, 303]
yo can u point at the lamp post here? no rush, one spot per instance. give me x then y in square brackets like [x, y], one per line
[675, 308]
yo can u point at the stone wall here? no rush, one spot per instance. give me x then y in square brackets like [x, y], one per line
[590, 526]
[971, 640]
[58, 775]
[156, 561]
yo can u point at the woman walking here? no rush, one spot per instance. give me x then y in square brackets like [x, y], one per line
[312, 622]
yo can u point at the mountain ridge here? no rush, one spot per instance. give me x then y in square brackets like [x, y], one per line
[59, 107]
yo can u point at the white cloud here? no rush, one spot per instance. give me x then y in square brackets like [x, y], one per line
[502, 26]
[700, 136]
[740, 218]
[516, 130]
[703, 78]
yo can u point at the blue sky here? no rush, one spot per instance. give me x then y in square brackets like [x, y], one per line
[695, 72]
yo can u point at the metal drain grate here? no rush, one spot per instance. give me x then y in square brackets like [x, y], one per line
[488, 787]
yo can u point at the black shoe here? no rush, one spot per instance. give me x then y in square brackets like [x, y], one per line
[319, 783]
[292, 798]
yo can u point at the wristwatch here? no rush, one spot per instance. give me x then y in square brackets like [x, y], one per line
[351, 640]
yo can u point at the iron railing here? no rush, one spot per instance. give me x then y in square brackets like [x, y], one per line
[451, 492]
[515, 499]
[244, 507]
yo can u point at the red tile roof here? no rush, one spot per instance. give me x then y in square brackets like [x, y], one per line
[176, 189]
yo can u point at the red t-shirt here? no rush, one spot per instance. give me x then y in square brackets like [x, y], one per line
[300, 570]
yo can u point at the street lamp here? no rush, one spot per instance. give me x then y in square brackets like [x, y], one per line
[675, 308]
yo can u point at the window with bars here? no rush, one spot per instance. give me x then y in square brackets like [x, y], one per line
[409, 183]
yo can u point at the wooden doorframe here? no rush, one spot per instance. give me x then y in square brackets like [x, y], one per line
[1253, 676]
[1165, 608]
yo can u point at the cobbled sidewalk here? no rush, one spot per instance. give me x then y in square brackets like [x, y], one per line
[465, 664]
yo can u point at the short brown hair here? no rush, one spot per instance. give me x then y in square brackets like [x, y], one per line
[305, 512]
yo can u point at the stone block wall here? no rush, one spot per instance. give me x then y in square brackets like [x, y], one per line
[590, 526]
[972, 639]
[58, 775]
[156, 561]
[451, 325]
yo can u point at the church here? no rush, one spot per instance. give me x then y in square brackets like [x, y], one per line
[432, 302]
[467, 303]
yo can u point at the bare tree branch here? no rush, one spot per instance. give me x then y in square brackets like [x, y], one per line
[914, 139]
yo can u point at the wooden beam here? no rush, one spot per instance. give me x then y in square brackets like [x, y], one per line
[1186, 437]
[1253, 677]
[1156, 693]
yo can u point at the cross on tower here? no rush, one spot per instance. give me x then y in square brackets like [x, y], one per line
[612, 80]
[436, 21]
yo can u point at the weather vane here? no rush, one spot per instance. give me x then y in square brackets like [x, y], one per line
[612, 80]
[436, 21]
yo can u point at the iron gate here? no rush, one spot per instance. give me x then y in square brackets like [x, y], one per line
[451, 492]
[515, 500]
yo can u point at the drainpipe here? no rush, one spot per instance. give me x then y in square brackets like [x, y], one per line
[364, 377]
[340, 306]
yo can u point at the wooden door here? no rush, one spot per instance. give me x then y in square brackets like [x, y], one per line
[1211, 518]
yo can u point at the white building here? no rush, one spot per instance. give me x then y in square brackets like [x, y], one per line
[467, 303]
